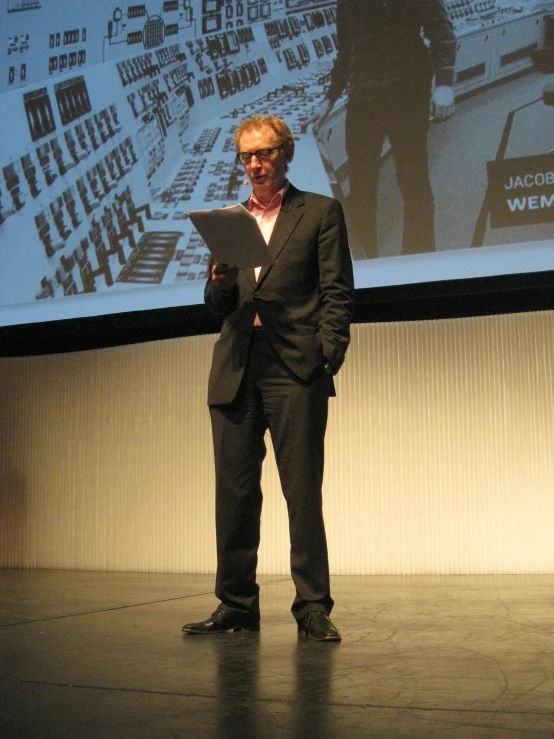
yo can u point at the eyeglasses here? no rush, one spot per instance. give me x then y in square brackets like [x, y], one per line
[262, 155]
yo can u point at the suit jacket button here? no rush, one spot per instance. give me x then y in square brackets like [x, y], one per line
[256, 293]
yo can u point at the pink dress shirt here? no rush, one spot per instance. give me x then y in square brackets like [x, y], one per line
[266, 217]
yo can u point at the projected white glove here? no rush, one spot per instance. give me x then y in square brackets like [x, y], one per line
[442, 103]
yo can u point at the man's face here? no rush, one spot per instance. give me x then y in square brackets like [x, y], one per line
[268, 177]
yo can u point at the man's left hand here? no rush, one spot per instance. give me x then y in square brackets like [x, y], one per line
[442, 103]
[225, 277]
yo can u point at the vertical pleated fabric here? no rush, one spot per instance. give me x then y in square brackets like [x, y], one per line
[438, 455]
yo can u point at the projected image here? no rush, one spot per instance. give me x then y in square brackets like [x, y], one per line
[383, 60]
[430, 121]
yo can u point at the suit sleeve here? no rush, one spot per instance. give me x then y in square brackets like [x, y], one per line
[438, 29]
[336, 285]
[341, 68]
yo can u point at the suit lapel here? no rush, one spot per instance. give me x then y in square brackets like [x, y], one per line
[250, 274]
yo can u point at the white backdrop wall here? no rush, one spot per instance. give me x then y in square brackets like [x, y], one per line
[439, 455]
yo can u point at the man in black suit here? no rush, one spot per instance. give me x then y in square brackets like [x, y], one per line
[284, 335]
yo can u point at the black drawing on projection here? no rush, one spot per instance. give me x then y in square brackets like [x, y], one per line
[296, 6]
[135, 26]
[15, 6]
[73, 99]
[40, 116]
[150, 258]
[11, 179]
[154, 32]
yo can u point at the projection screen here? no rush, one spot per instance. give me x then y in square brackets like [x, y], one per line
[117, 120]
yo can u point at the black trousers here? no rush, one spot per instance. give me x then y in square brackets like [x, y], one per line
[295, 413]
[401, 112]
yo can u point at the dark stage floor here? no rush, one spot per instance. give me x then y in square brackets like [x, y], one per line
[86, 654]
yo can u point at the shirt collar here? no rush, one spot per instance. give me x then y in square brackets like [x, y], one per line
[276, 201]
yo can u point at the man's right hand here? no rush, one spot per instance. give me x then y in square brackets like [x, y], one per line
[321, 114]
[225, 277]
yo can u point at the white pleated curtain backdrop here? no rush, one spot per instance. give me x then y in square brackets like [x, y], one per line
[439, 455]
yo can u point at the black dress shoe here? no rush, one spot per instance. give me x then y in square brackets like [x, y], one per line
[221, 621]
[318, 626]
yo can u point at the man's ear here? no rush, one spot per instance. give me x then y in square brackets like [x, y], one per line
[289, 154]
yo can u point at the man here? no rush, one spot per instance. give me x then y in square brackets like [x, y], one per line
[389, 51]
[284, 335]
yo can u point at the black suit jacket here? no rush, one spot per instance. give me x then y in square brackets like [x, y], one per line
[305, 300]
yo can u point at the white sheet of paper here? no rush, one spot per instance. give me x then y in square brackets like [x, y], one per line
[233, 236]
